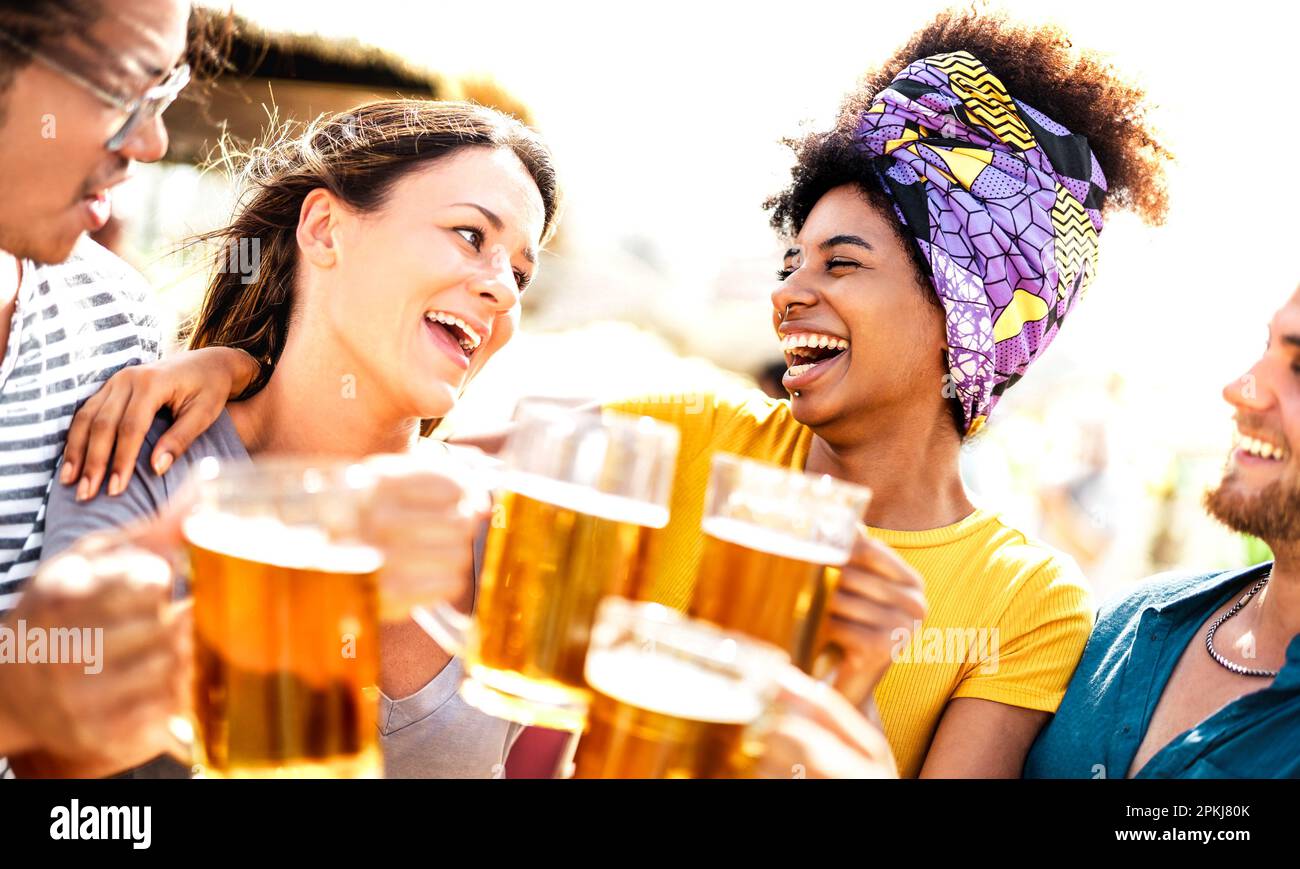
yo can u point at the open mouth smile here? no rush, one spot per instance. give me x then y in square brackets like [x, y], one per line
[808, 355]
[458, 339]
[1257, 450]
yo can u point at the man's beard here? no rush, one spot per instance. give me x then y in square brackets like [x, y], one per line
[1271, 513]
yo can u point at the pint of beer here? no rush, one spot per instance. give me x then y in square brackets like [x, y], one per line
[769, 532]
[286, 622]
[673, 697]
[578, 493]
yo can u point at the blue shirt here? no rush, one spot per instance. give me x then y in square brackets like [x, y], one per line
[1127, 663]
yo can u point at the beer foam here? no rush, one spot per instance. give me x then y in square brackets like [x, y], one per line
[583, 499]
[672, 686]
[267, 540]
[772, 542]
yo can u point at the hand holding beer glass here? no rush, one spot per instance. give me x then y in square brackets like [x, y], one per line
[817, 733]
[423, 514]
[75, 719]
[877, 595]
[580, 492]
[769, 532]
[294, 563]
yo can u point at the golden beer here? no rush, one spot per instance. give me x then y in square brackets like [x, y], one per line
[578, 495]
[769, 535]
[673, 698]
[286, 655]
[540, 586]
[770, 587]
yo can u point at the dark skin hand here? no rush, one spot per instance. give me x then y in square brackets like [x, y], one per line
[108, 430]
[818, 733]
[58, 720]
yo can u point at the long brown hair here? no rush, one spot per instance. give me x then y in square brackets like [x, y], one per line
[358, 156]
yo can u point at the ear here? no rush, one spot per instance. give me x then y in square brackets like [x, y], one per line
[317, 220]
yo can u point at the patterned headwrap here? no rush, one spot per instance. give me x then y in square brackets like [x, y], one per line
[1005, 205]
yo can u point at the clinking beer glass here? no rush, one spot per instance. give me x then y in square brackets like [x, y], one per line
[579, 493]
[674, 697]
[769, 535]
[286, 621]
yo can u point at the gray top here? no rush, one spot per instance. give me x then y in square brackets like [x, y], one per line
[431, 734]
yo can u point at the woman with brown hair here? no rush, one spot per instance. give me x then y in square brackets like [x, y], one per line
[396, 241]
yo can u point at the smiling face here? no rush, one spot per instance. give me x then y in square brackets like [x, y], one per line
[1260, 490]
[419, 294]
[54, 167]
[857, 330]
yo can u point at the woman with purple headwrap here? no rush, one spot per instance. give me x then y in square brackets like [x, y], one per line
[941, 235]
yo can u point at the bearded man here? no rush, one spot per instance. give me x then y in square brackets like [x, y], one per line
[1198, 676]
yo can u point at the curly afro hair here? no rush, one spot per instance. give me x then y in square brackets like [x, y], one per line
[1040, 67]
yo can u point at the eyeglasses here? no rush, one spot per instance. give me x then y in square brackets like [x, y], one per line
[140, 110]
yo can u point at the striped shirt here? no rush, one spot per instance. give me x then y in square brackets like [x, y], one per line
[74, 325]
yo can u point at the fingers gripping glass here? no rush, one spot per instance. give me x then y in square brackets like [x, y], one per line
[139, 110]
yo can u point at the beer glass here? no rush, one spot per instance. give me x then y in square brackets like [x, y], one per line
[673, 697]
[286, 621]
[769, 532]
[579, 492]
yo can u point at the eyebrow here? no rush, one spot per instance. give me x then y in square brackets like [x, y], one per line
[836, 240]
[498, 224]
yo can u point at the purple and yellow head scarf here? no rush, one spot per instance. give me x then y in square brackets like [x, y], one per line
[1005, 205]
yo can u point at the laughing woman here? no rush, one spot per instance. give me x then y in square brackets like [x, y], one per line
[941, 234]
[396, 241]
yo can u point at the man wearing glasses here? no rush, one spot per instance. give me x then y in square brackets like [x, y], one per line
[83, 85]
[78, 109]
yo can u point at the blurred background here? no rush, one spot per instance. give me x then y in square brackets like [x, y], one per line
[667, 120]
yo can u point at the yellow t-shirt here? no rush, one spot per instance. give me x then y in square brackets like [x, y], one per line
[1008, 615]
